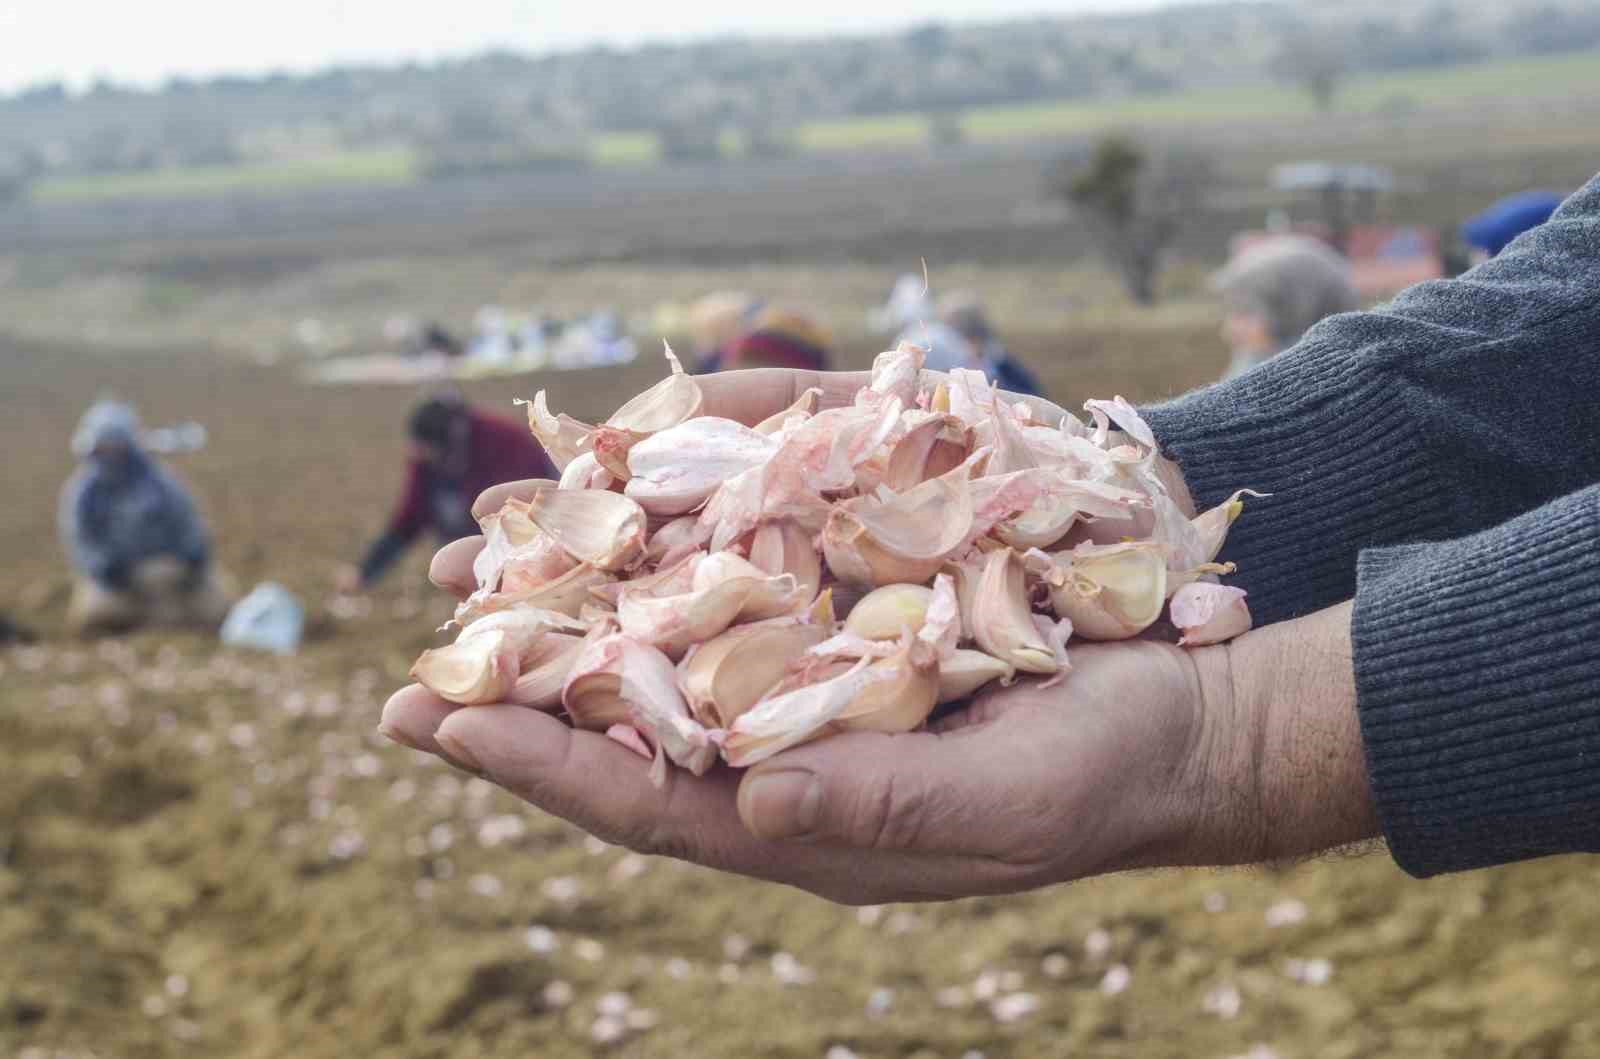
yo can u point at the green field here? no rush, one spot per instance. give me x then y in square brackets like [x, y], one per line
[1552, 77]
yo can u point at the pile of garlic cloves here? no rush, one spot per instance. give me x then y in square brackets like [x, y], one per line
[698, 588]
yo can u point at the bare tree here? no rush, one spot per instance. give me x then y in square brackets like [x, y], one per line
[1135, 198]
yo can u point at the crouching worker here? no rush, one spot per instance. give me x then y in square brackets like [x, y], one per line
[140, 551]
[456, 453]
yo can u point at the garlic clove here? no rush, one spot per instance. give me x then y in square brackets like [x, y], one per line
[902, 540]
[488, 655]
[544, 673]
[804, 407]
[563, 437]
[666, 404]
[1001, 620]
[677, 469]
[1208, 614]
[784, 547]
[933, 445]
[565, 594]
[796, 716]
[896, 373]
[611, 448]
[585, 472]
[728, 674]
[604, 529]
[617, 680]
[886, 613]
[469, 673]
[725, 589]
[1125, 416]
[674, 540]
[904, 697]
[1192, 542]
[1110, 592]
[964, 672]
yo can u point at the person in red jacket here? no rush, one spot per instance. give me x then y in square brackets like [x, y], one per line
[457, 452]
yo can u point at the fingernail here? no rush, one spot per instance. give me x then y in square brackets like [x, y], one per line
[784, 803]
[458, 753]
[394, 735]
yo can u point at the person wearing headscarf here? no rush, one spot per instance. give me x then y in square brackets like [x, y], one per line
[911, 314]
[715, 322]
[139, 548]
[1274, 291]
[963, 312]
[1488, 233]
[456, 453]
[781, 338]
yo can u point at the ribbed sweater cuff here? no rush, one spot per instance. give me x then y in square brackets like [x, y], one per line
[1334, 444]
[1477, 671]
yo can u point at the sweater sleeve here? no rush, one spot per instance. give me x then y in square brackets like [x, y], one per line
[1457, 406]
[1478, 681]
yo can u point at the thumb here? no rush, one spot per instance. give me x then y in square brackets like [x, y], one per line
[919, 792]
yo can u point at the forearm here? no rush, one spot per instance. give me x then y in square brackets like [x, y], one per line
[1454, 408]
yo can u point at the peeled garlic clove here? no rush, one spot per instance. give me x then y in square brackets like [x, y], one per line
[469, 672]
[1001, 620]
[964, 672]
[585, 472]
[728, 674]
[563, 437]
[676, 470]
[545, 673]
[1207, 613]
[804, 407]
[903, 540]
[886, 613]
[1111, 592]
[604, 529]
[783, 547]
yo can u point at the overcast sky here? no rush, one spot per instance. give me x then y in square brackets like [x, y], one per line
[144, 41]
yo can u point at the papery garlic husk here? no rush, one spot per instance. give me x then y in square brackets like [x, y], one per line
[964, 672]
[509, 533]
[677, 469]
[562, 437]
[902, 700]
[680, 535]
[728, 674]
[933, 445]
[565, 594]
[1192, 542]
[1001, 620]
[1125, 416]
[1208, 614]
[888, 612]
[788, 718]
[784, 547]
[722, 596]
[615, 679]
[544, 672]
[804, 407]
[487, 657]
[904, 539]
[895, 373]
[1110, 592]
[603, 529]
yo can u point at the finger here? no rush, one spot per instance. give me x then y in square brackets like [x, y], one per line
[412, 716]
[451, 568]
[494, 498]
[751, 396]
[917, 792]
[605, 789]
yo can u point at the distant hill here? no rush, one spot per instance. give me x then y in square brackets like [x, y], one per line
[507, 110]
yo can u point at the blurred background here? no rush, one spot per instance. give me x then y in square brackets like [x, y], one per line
[282, 228]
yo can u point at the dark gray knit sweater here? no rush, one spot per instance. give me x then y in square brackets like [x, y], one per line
[1437, 459]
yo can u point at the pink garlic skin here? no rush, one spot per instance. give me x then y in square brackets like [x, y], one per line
[1209, 614]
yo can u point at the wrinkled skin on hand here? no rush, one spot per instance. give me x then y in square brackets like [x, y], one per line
[1144, 758]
